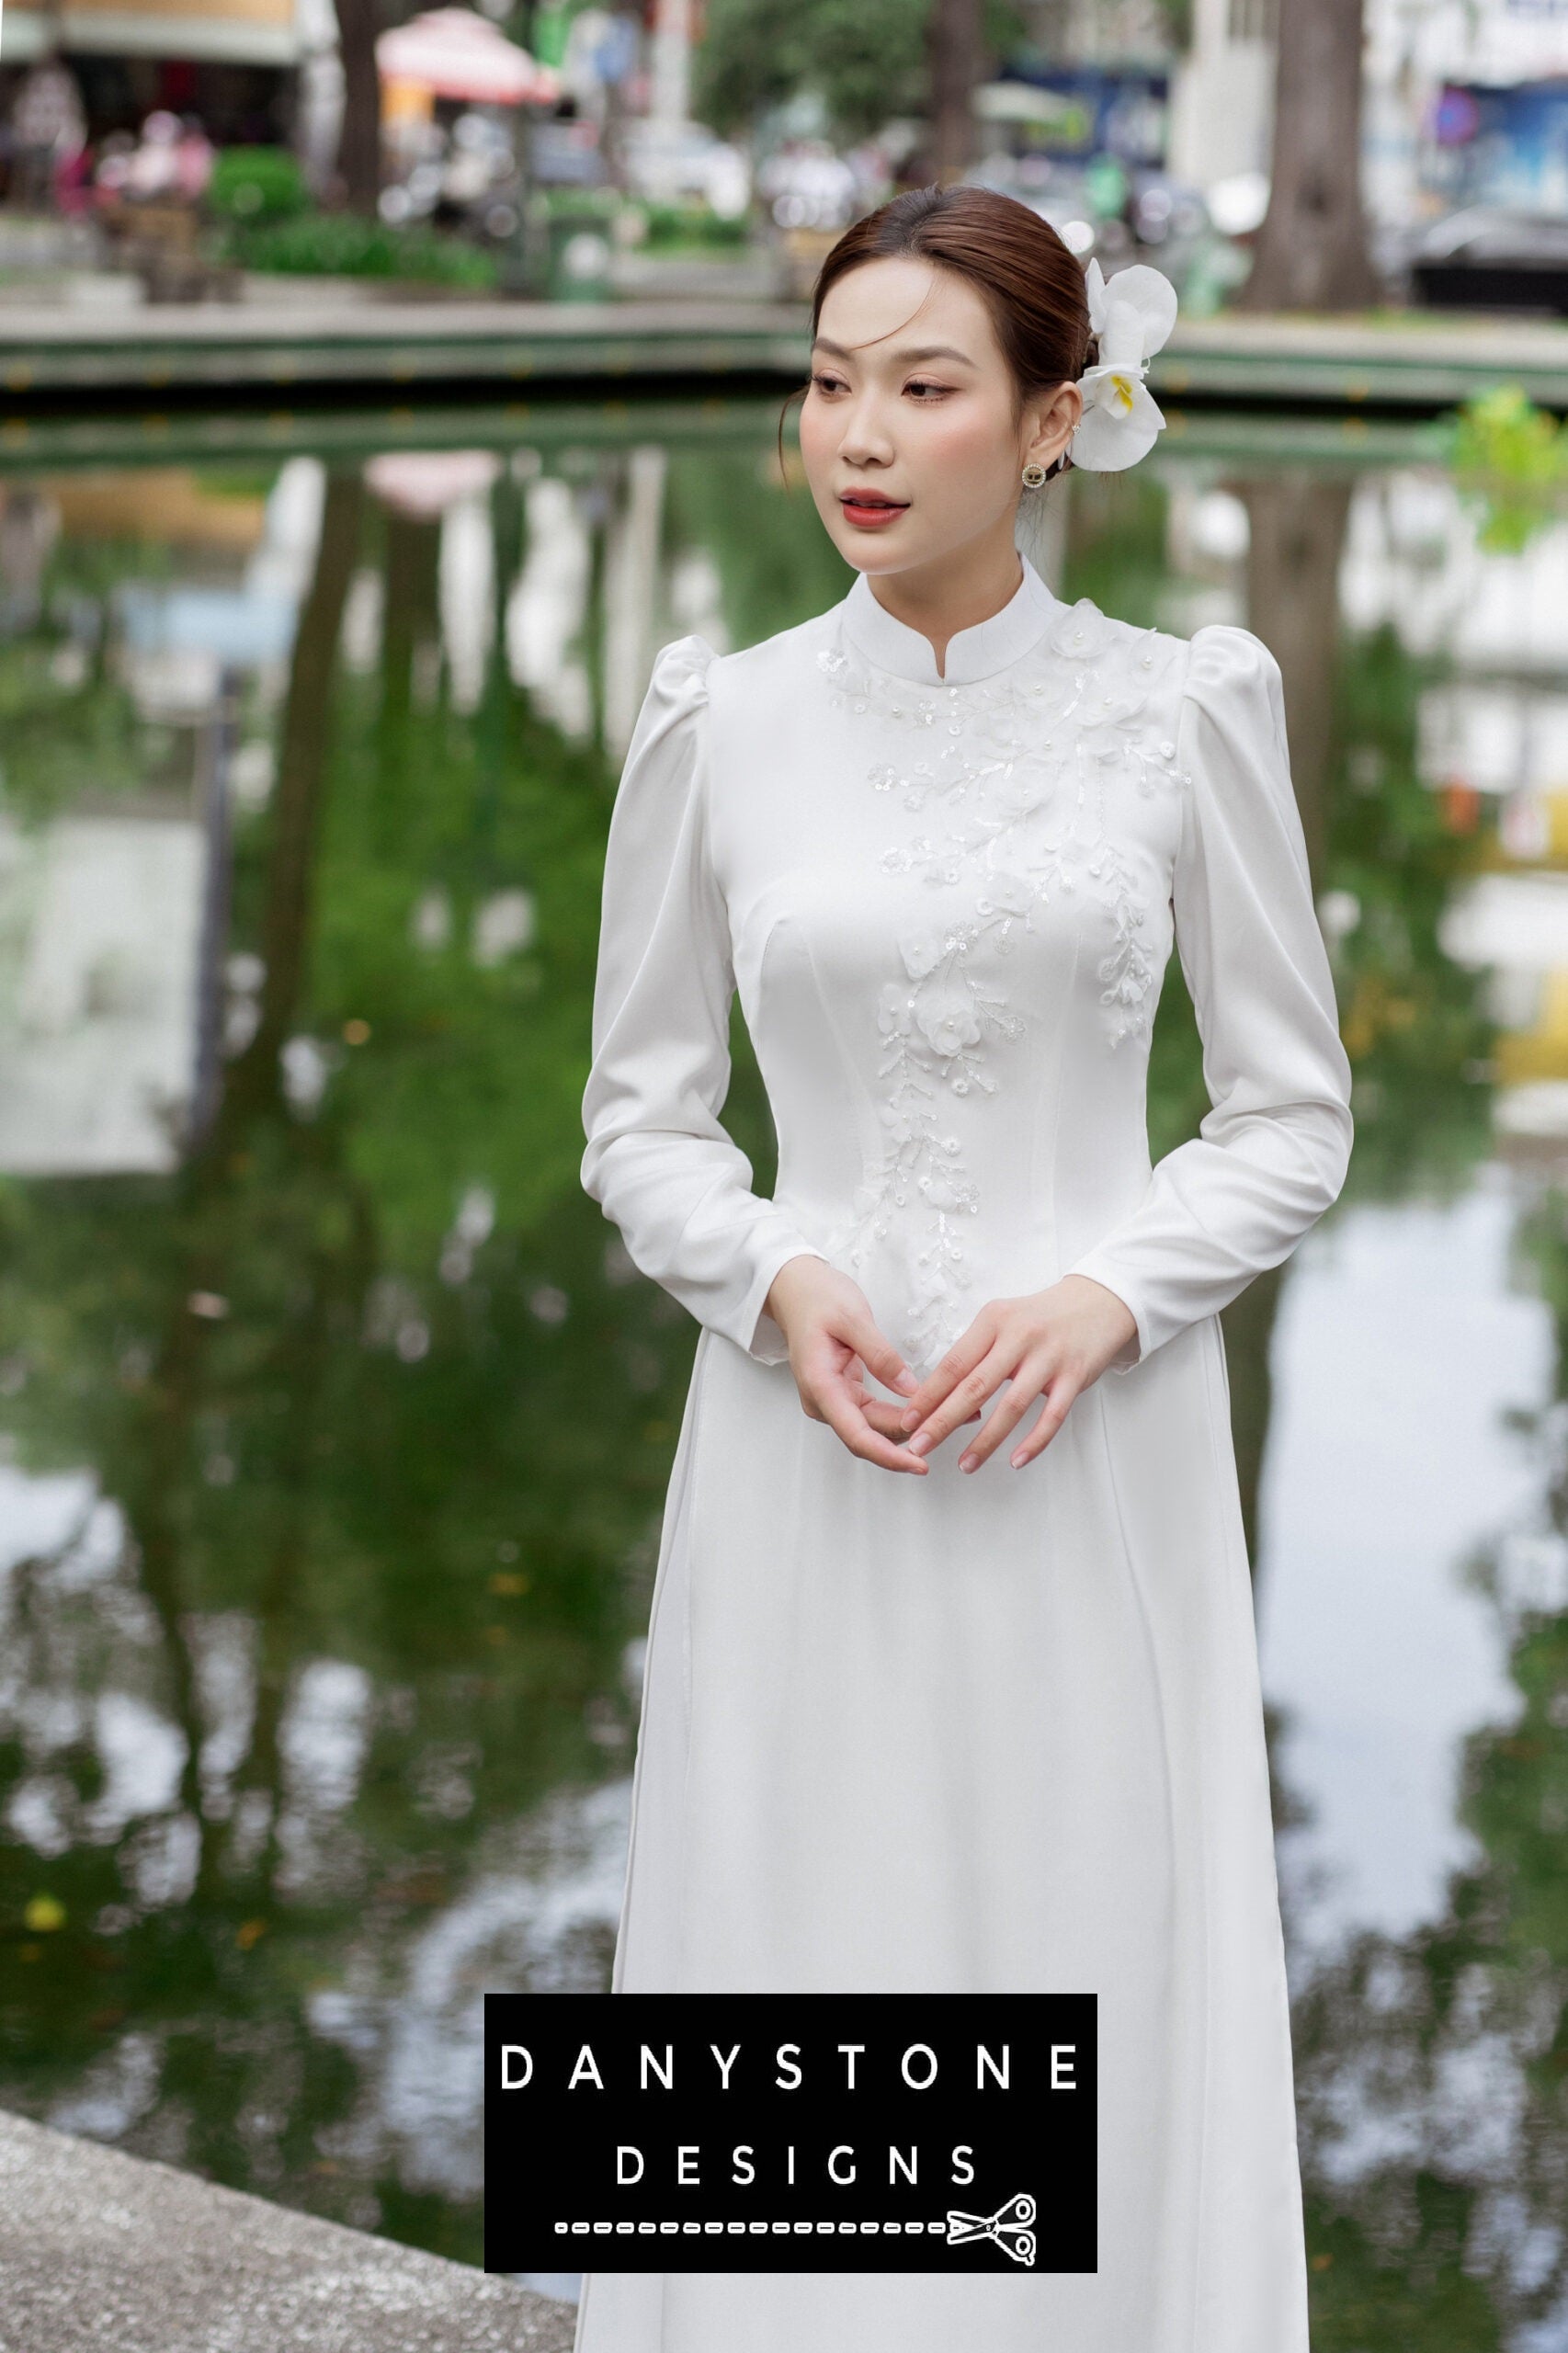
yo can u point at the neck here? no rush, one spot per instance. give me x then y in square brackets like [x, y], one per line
[958, 592]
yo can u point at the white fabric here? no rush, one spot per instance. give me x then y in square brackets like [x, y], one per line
[998, 1730]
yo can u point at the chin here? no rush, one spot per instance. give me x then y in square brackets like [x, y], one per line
[876, 558]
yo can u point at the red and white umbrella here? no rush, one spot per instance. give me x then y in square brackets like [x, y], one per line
[457, 54]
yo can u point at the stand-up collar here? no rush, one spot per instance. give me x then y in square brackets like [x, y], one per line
[977, 653]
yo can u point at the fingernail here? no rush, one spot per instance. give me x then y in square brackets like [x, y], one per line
[1018, 1459]
[966, 1463]
[920, 1445]
[907, 1421]
[906, 1381]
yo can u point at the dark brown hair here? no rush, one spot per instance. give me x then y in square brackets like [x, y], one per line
[1028, 277]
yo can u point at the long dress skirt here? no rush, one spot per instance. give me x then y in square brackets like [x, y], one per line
[992, 1731]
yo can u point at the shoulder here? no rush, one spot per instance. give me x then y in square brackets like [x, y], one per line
[1152, 658]
[680, 671]
[1216, 657]
[689, 675]
[1226, 661]
[659, 775]
[669, 724]
[776, 664]
[1233, 707]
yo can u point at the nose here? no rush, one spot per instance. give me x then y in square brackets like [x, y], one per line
[864, 439]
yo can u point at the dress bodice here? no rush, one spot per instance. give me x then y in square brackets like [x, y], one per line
[947, 902]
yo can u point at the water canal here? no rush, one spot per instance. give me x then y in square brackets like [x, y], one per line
[334, 1422]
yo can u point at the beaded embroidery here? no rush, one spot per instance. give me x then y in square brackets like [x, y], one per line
[1018, 766]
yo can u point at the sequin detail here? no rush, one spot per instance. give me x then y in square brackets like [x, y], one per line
[1016, 771]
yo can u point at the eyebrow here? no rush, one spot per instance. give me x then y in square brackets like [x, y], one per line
[905, 354]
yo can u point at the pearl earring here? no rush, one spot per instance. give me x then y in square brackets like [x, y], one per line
[1034, 474]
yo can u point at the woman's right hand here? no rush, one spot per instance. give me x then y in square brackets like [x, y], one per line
[834, 1342]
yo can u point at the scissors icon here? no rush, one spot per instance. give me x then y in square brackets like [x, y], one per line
[1008, 2226]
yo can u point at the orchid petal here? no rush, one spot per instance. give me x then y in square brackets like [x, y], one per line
[1139, 309]
[1120, 425]
[1098, 383]
[1093, 286]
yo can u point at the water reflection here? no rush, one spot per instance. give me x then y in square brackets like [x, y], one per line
[337, 1424]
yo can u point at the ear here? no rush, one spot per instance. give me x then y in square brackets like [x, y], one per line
[1050, 422]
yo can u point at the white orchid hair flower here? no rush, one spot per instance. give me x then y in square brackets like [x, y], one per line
[1133, 314]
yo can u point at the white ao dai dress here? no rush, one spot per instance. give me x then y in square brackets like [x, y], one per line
[999, 1730]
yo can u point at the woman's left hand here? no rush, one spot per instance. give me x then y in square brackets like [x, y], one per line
[1055, 1343]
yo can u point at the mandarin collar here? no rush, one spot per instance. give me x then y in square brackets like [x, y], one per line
[972, 653]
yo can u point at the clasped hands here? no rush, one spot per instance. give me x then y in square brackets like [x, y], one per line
[1049, 1345]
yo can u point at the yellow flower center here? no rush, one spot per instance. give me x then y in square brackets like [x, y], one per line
[1121, 396]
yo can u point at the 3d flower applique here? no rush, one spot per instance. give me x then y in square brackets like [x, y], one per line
[944, 1016]
[1018, 771]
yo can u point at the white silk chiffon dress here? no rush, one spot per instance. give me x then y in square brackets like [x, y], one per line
[999, 1730]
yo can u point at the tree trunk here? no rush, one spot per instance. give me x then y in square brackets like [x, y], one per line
[296, 800]
[1297, 525]
[359, 141]
[1312, 249]
[955, 48]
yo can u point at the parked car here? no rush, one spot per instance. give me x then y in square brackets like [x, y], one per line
[1493, 257]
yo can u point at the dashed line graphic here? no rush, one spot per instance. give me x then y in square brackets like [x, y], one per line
[1010, 2227]
[742, 2230]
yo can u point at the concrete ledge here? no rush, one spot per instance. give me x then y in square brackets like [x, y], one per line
[100, 2249]
[1412, 360]
[165, 347]
[224, 434]
[1415, 361]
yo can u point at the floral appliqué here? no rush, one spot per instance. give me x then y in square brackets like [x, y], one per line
[1015, 772]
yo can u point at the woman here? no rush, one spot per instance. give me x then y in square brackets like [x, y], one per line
[1007, 1735]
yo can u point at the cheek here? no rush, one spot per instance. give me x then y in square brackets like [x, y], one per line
[820, 432]
[816, 450]
[967, 456]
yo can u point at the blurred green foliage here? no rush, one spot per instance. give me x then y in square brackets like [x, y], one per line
[693, 225]
[343, 244]
[1511, 457]
[254, 184]
[866, 59]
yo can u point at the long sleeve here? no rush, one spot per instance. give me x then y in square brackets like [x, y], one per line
[658, 1161]
[1271, 1152]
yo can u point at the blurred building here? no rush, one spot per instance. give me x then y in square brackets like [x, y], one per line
[1223, 99]
[1468, 105]
[1465, 102]
[232, 62]
[1087, 79]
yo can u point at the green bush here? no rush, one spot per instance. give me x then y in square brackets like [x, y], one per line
[1502, 433]
[253, 185]
[342, 245]
[693, 225]
[1511, 459]
[580, 203]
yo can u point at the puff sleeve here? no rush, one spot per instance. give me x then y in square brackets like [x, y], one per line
[658, 1162]
[1271, 1152]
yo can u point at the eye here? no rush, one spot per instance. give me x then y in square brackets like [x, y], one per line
[824, 382]
[920, 386]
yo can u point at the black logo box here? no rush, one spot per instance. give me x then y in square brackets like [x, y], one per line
[789, 2132]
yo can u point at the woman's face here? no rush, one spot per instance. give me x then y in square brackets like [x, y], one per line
[910, 434]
